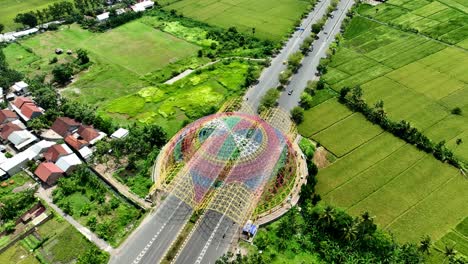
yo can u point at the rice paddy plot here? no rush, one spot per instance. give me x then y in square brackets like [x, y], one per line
[322, 116]
[348, 134]
[356, 162]
[373, 178]
[406, 190]
[270, 20]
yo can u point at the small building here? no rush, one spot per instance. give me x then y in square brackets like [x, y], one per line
[7, 129]
[102, 17]
[36, 150]
[57, 151]
[120, 11]
[85, 153]
[20, 87]
[142, 6]
[21, 100]
[21, 139]
[89, 134]
[120, 133]
[65, 126]
[26, 108]
[7, 115]
[48, 172]
[31, 111]
[75, 143]
[68, 163]
[15, 164]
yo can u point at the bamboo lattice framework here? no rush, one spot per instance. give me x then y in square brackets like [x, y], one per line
[228, 160]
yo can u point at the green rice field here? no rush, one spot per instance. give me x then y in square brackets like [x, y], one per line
[419, 79]
[271, 19]
[406, 189]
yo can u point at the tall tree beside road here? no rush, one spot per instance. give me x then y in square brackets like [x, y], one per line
[27, 19]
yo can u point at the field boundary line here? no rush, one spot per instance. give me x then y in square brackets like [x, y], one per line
[334, 123]
[390, 180]
[366, 169]
[363, 143]
[421, 200]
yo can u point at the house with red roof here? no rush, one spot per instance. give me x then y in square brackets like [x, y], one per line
[7, 115]
[31, 111]
[65, 126]
[21, 100]
[7, 129]
[26, 108]
[75, 143]
[90, 134]
[56, 151]
[48, 172]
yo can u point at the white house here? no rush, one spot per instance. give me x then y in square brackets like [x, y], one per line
[68, 163]
[21, 138]
[20, 87]
[15, 163]
[142, 6]
[85, 152]
[102, 17]
[37, 149]
[120, 133]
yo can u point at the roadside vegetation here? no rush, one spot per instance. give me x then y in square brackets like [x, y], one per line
[83, 196]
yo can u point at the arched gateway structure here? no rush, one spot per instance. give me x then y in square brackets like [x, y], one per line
[223, 164]
[225, 161]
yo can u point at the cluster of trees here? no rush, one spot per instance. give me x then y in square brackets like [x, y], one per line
[403, 129]
[83, 181]
[333, 236]
[230, 42]
[55, 11]
[113, 21]
[93, 256]
[13, 206]
[294, 63]
[269, 100]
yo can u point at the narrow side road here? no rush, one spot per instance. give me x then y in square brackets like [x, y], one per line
[46, 195]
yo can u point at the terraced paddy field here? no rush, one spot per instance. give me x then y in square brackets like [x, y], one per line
[10, 8]
[410, 192]
[272, 19]
[420, 80]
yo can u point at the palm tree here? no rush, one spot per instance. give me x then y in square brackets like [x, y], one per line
[449, 252]
[350, 232]
[327, 217]
[425, 244]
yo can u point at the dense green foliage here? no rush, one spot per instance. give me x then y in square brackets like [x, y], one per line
[83, 196]
[269, 100]
[331, 235]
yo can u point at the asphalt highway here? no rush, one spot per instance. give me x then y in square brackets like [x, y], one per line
[311, 61]
[152, 239]
[269, 77]
[209, 241]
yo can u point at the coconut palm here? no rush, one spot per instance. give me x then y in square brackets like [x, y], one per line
[425, 244]
[449, 252]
